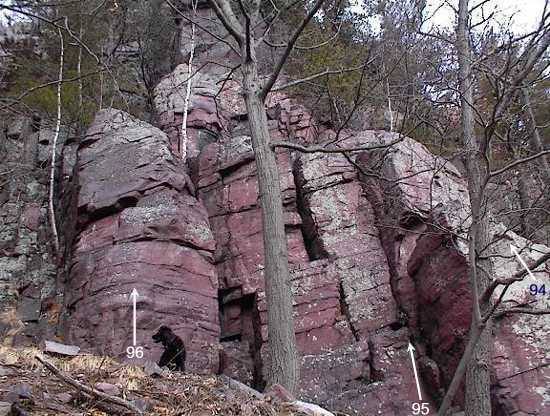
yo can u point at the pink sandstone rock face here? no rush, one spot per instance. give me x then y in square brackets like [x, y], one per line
[139, 227]
[377, 260]
[346, 319]
[423, 223]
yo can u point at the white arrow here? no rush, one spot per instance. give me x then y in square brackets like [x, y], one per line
[411, 350]
[134, 295]
[514, 251]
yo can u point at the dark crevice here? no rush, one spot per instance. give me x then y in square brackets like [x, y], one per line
[245, 327]
[345, 310]
[410, 220]
[258, 382]
[87, 216]
[236, 165]
[231, 337]
[375, 374]
[176, 241]
[401, 322]
[310, 234]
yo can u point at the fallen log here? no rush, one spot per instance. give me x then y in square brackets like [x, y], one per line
[88, 390]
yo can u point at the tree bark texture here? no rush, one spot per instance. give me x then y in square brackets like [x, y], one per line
[284, 368]
[478, 398]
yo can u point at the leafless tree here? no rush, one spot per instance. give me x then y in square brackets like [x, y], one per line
[476, 359]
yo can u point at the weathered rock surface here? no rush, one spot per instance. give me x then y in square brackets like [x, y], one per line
[27, 263]
[377, 260]
[345, 315]
[140, 228]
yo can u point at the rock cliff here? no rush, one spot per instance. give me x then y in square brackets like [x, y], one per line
[376, 244]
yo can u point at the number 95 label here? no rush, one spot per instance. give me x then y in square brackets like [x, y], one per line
[420, 409]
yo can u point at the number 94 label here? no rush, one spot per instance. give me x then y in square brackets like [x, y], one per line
[420, 409]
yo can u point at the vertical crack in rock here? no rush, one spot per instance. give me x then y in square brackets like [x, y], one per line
[310, 232]
[344, 227]
[259, 381]
[345, 311]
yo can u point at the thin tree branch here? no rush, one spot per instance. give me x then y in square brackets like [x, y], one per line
[279, 66]
[248, 34]
[321, 149]
[223, 10]
[204, 29]
[305, 48]
[319, 75]
[518, 162]
[515, 278]
[526, 311]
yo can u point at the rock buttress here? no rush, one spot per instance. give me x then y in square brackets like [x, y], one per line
[352, 353]
[139, 227]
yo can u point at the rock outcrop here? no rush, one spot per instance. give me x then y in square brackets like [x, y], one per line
[138, 226]
[422, 210]
[28, 299]
[346, 319]
[377, 251]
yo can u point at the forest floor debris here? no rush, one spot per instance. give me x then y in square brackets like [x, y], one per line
[37, 391]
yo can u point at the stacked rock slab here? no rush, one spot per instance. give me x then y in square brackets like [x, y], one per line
[139, 228]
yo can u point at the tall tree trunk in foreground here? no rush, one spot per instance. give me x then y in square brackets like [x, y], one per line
[282, 339]
[478, 398]
[284, 366]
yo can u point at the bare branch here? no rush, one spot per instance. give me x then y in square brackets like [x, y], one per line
[477, 6]
[515, 278]
[305, 48]
[526, 311]
[88, 390]
[279, 66]
[248, 34]
[204, 29]
[322, 149]
[518, 162]
[319, 75]
[223, 10]
[531, 59]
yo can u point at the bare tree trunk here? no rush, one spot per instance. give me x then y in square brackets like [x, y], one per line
[284, 368]
[478, 397]
[523, 194]
[54, 147]
[188, 85]
[536, 141]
